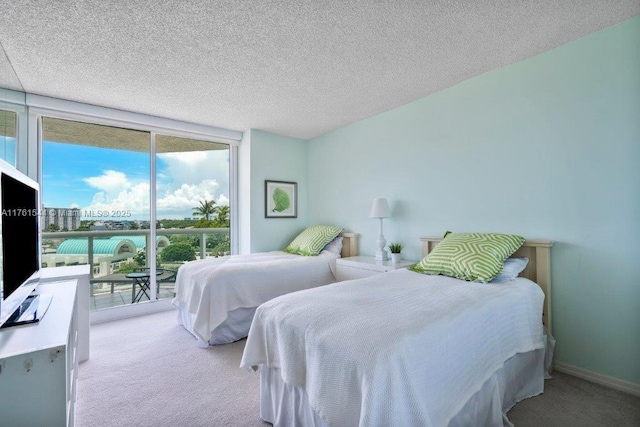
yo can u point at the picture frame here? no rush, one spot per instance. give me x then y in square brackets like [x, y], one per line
[280, 199]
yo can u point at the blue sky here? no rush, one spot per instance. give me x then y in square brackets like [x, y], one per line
[93, 178]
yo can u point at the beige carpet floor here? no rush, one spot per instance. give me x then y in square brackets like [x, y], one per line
[148, 371]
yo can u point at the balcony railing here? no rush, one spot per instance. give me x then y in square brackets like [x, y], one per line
[91, 235]
[118, 293]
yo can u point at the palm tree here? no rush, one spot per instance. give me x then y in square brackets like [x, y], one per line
[222, 216]
[206, 209]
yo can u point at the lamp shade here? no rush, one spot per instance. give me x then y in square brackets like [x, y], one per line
[380, 208]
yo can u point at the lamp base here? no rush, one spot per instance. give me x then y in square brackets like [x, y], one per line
[382, 256]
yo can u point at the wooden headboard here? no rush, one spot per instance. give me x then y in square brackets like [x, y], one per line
[349, 244]
[538, 269]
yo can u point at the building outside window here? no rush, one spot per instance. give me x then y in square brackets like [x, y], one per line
[60, 219]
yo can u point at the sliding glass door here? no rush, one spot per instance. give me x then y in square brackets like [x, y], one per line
[96, 205]
[192, 203]
[99, 207]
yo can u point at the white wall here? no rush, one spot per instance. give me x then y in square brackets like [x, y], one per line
[546, 148]
[271, 157]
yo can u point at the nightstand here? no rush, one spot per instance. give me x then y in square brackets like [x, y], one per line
[357, 267]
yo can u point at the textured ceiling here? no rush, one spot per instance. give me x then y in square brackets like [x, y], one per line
[294, 67]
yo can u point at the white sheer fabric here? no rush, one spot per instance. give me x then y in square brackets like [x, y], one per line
[235, 327]
[216, 297]
[521, 377]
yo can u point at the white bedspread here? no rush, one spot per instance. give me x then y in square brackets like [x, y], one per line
[399, 348]
[212, 287]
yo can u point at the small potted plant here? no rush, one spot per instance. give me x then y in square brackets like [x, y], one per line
[395, 249]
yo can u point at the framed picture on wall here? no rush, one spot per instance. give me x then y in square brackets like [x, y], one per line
[280, 199]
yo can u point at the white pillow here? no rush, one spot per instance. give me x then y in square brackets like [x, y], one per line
[510, 269]
[334, 246]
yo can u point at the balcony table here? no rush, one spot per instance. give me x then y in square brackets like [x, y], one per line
[141, 279]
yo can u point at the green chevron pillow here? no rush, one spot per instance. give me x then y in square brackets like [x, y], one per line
[312, 240]
[477, 257]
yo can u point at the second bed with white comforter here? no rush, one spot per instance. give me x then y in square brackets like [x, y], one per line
[399, 348]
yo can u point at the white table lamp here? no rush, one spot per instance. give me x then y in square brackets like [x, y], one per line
[380, 210]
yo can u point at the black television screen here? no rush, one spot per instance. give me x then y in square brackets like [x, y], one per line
[19, 232]
[20, 249]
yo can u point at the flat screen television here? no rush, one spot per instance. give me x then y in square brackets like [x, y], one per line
[20, 248]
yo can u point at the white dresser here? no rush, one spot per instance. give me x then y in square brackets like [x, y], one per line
[39, 363]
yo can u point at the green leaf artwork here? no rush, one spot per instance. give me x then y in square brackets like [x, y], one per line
[280, 200]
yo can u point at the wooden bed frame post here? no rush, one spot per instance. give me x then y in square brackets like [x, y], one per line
[543, 279]
[349, 244]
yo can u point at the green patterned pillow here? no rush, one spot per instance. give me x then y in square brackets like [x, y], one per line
[312, 240]
[477, 257]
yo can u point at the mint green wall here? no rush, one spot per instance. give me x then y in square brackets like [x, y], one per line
[264, 155]
[548, 148]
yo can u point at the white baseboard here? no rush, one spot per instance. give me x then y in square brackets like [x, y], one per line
[130, 310]
[605, 380]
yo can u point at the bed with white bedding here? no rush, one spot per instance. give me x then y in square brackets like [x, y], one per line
[402, 348]
[216, 297]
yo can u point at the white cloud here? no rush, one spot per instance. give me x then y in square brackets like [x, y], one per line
[134, 199]
[119, 193]
[110, 182]
[194, 167]
[185, 198]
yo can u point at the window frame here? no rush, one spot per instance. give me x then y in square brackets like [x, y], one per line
[15, 102]
[30, 160]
